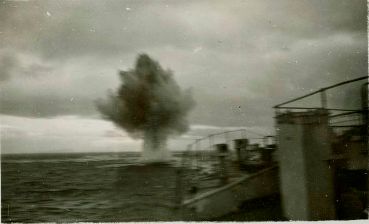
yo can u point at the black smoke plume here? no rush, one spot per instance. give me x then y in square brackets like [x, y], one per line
[149, 104]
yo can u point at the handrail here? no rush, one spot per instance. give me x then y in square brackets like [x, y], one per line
[314, 108]
[345, 121]
[320, 90]
[346, 82]
[222, 133]
[344, 114]
[346, 126]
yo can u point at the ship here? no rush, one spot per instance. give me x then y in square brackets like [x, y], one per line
[314, 168]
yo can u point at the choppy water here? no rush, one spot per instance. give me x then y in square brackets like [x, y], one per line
[103, 187]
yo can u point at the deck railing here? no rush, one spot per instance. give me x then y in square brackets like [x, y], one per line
[201, 152]
[196, 150]
[340, 118]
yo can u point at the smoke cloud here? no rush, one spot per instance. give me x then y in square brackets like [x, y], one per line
[149, 104]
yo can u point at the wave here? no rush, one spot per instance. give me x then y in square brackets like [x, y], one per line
[83, 159]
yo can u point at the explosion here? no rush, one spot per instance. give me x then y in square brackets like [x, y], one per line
[149, 104]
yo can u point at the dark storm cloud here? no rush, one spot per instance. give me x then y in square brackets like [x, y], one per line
[38, 89]
[35, 105]
[240, 57]
[65, 29]
[74, 28]
[11, 65]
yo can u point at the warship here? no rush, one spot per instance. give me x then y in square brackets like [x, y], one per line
[314, 168]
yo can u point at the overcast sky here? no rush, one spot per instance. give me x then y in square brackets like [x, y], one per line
[239, 57]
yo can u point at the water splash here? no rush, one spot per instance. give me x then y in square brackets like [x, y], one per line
[149, 104]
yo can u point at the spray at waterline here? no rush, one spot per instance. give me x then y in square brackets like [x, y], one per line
[149, 104]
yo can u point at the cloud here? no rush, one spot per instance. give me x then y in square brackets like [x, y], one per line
[15, 65]
[7, 64]
[69, 29]
[38, 88]
[61, 134]
[240, 57]
[64, 134]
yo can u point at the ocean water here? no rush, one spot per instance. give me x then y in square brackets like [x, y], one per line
[96, 187]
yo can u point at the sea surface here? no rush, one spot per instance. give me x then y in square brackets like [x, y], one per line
[91, 187]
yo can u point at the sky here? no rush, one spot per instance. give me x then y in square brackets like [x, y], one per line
[239, 58]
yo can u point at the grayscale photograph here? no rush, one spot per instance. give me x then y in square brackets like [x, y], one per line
[183, 110]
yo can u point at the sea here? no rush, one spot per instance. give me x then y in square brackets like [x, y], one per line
[92, 187]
